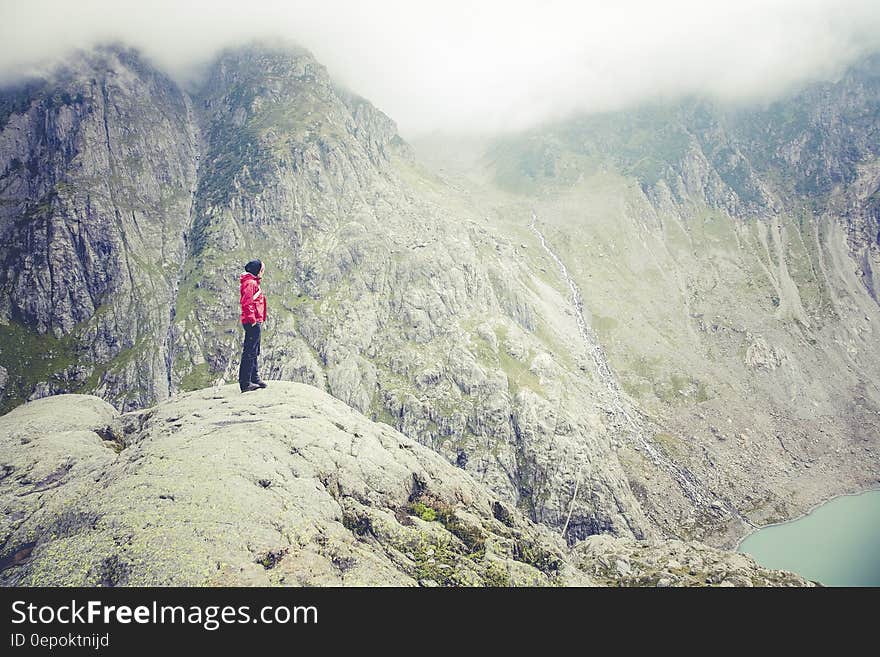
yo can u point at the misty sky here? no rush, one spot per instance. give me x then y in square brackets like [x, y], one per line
[458, 66]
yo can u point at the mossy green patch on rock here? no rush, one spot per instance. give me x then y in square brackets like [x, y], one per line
[30, 358]
[198, 377]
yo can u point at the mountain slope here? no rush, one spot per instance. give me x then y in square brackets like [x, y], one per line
[726, 260]
[814, 151]
[717, 318]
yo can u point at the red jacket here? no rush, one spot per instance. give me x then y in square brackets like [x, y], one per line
[253, 301]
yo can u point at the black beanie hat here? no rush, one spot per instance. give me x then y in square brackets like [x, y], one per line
[253, 267]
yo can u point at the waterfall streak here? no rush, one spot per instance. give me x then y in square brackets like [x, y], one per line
[619, 407]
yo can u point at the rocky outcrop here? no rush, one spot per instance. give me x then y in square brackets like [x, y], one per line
[285, 486]
[620, 562]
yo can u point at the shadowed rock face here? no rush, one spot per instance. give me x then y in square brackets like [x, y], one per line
[98, 168]
[285, 486]
[734, 328]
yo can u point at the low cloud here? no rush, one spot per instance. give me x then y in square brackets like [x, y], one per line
[464, 66]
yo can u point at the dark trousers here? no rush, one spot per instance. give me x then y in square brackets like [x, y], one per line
[247, 372]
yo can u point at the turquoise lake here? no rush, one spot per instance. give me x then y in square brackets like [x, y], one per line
[837, 544]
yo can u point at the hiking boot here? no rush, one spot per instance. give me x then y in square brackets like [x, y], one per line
[251, 387]
[260, 382]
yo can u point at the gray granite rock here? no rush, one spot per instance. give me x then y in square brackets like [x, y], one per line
[282, 486]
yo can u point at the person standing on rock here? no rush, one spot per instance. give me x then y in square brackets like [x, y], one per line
[253, 314]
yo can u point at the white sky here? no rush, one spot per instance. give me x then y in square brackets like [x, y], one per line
[471, 66]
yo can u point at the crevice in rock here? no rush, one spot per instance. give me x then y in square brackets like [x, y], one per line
[111, 438]
[271, 558]
[18, 556]
[53, 480]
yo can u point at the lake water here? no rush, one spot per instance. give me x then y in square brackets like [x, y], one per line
[837, 544]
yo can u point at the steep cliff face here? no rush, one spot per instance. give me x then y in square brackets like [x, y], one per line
[98, 170]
